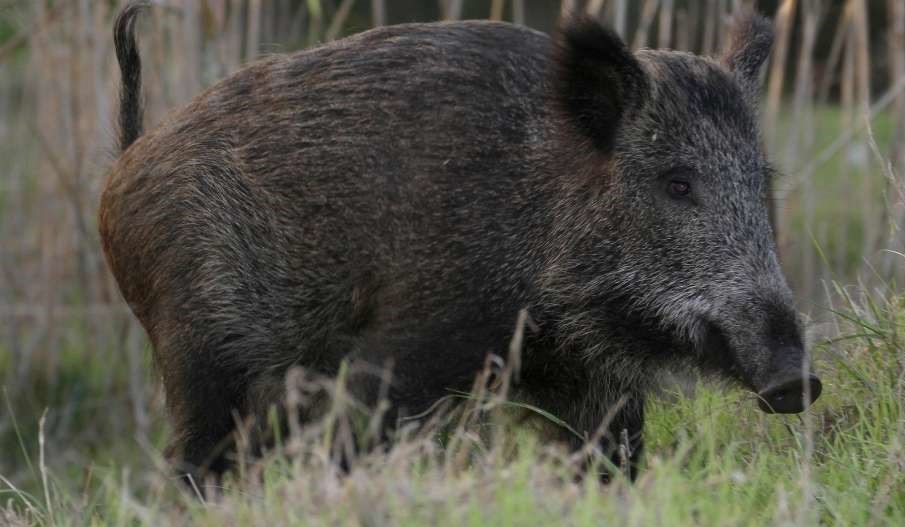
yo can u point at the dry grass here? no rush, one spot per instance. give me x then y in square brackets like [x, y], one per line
[713, 460]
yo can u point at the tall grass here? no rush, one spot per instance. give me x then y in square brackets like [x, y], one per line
[80, 417]
[713, 460]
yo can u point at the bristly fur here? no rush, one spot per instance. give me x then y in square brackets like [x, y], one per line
[597, 79]
[130, 105]
[400, 196]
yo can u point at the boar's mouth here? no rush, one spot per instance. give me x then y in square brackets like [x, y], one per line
[781, 378]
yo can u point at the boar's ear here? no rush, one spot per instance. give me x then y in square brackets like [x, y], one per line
[750, 42]
[597, 81]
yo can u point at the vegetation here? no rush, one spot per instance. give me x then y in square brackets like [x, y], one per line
[713, 459]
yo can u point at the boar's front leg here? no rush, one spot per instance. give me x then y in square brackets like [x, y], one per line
[587, 401]
[623, 442]
[411, 371]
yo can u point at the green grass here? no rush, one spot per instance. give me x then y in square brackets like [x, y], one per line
[712, 459]
[839, 191]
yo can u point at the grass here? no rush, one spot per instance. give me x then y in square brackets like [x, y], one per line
[839, 219]
[712, 459]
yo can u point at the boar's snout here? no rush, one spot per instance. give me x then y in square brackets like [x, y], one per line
[767, 356]
[790, 392]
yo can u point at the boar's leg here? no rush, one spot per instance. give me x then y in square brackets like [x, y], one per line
[623, 442]
[204, 409]
[586, 400]
[413, 369]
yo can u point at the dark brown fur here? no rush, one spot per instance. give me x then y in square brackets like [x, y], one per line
[398, 196]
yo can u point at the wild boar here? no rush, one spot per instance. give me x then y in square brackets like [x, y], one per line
[399, 196]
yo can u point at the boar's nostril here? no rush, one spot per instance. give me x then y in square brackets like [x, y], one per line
[790, 395]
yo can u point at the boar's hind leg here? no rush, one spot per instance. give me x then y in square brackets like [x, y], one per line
[205, 400]
[216, 309]
[195, 252]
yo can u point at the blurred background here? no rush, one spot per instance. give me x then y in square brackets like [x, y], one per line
[834, 123]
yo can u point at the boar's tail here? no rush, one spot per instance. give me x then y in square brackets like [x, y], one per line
[130, 106]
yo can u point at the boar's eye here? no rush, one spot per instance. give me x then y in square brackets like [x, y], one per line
[679, 188]
[677, 182]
